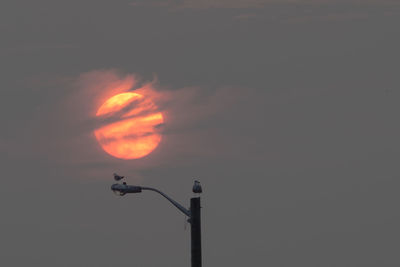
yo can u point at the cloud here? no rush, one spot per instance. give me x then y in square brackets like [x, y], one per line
[284, 11]
[251, 4]
[333, 17]
[200, 124]
[246, 16]
[205, 4]
[42, 46]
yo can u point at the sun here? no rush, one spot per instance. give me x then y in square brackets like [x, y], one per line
[132, 126]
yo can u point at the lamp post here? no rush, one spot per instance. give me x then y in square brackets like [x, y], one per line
[193, 213]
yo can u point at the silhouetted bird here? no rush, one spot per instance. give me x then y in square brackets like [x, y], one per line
[117, 177]
[197, 187]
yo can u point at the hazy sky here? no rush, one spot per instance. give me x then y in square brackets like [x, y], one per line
[285, 110]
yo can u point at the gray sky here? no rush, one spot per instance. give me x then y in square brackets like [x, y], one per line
[286, 111]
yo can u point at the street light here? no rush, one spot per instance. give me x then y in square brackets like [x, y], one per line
[193, 213]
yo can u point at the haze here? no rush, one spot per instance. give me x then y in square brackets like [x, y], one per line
[285, 111]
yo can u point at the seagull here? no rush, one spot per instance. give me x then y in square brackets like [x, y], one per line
[118, 177]
[197, 187]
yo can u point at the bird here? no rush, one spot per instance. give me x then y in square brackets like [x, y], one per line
[197, 187]
[118, 177]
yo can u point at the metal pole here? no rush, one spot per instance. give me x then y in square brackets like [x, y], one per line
[195, 231]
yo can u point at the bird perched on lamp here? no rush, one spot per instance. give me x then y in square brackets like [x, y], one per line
[197, 187]
[118, 177]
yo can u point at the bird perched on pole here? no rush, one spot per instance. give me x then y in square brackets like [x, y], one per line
[197, 187]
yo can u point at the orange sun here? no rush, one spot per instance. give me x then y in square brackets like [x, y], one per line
[134, 130]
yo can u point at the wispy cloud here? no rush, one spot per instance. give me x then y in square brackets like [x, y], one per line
[246, 16]
[204, 4]
[284, 11]
[199, 124]
[332, 17]
[251, 4]
[32, 47]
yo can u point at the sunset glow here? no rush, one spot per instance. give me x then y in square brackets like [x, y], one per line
[135, 133]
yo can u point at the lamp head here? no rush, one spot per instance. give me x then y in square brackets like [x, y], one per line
[122, 189]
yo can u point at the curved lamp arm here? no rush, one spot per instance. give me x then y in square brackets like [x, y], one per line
[123, 189]
[176, 204]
